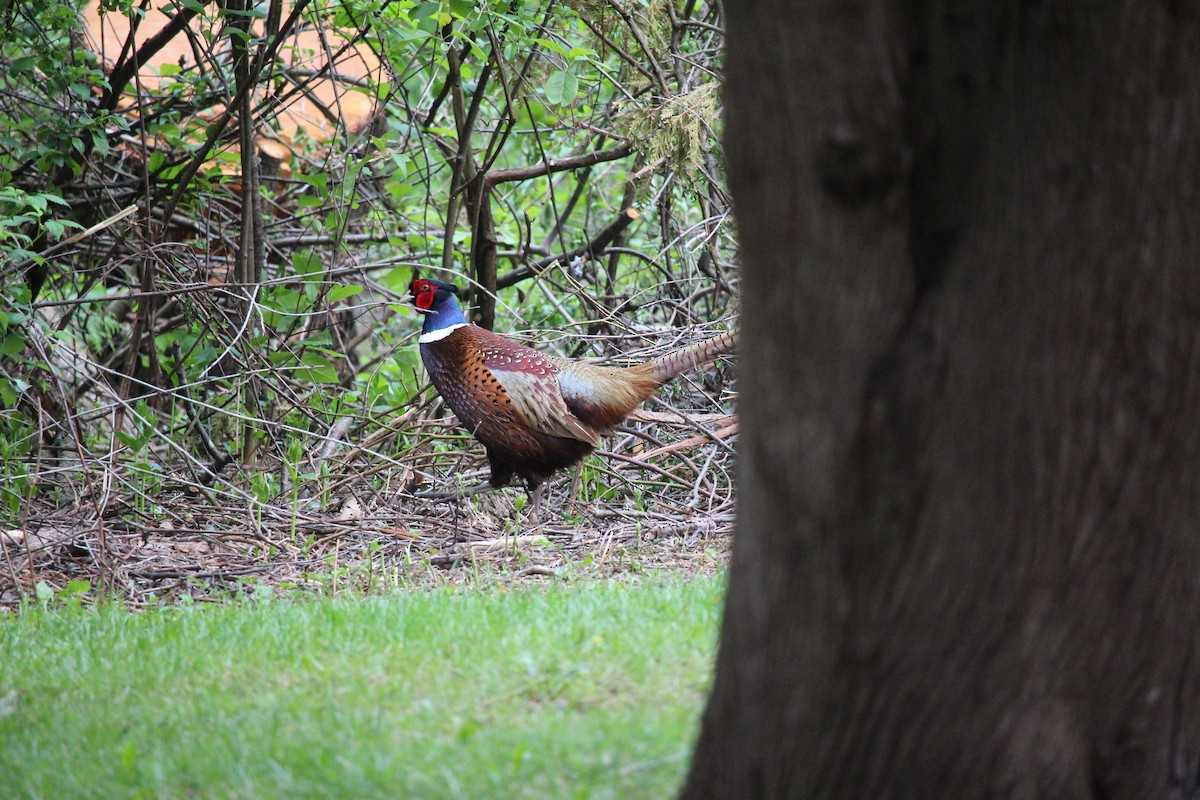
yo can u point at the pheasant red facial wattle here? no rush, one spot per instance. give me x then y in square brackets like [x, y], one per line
[533, 413]
[424, 292]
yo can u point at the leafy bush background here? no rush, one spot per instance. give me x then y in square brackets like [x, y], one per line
[235, 339]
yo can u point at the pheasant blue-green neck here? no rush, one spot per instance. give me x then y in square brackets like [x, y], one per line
[446, 312]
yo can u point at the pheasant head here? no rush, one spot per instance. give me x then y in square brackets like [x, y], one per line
[438, 301]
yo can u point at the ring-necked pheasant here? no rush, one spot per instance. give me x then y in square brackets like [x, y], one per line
[534, 413]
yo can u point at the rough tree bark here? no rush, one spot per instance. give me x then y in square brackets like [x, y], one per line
[968, 551]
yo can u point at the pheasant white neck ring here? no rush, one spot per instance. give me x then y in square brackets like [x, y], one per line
[438, 334]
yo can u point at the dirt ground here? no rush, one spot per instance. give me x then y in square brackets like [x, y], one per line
[360, 539]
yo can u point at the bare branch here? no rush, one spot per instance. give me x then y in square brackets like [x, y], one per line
[558, 165]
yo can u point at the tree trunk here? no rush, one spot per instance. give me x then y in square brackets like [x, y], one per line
[968, 551]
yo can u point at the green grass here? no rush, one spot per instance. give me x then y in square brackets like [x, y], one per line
[592, 691]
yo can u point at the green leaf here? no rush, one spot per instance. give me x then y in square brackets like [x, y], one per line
[286, 301]
[316, 368]
[550, 44]
[100, 143]
[401, 161]
[325, 374]
[12, 344]
[399, 189]
[75, 587]
[8, 393]
[562, 87]
[397, 278]
[318, 180]
[423, 10]
[44, 593]
[306, 263]
[320, 339]
[342, 292]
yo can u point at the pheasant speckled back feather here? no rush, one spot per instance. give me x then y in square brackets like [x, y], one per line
[534, 414]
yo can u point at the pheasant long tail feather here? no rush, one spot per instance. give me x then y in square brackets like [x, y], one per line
[692, 357]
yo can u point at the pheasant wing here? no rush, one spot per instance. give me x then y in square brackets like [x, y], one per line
[531, 382]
